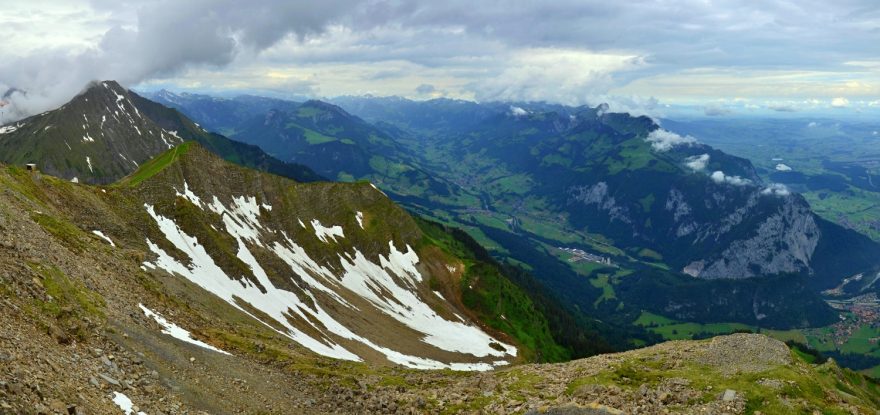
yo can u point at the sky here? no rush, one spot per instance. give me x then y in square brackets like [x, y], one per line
[718, 57]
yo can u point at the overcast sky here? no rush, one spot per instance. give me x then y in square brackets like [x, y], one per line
[782, 55]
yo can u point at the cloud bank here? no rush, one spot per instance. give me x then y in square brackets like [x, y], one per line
[574, 51]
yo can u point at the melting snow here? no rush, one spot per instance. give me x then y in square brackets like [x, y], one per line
[277, 304]
[189, 195]
[88, 139]
[360, 219]
[176, 331]
[380, 190]
[104, 237]
[325, 234]
[128, 160]
[6, 129]
[89, 160]
[124, 403]
[399, 297]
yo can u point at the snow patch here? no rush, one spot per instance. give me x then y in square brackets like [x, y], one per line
[325, 234]
[104, 237]
[178, 332]
[189, 195]
[124, 403]
[360, 218]
[6, 129]
[89, 161]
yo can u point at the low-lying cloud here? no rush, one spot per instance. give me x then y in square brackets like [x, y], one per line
[664, 140]
[697, 163]
[776, 189]
[718, 176]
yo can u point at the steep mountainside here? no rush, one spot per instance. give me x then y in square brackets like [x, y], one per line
[106, 132]
[97, 137]
[180, 290]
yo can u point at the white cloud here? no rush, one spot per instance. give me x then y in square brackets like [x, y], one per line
[568, 76]
[776, 189]
[783, 167]
[812, 124]
[719, 177]
[697, 163]
[839, 102]
[716, 110]
[518, 112]
[663, 140]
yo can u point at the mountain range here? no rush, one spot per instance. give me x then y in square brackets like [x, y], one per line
[148, 257]
[528, 179]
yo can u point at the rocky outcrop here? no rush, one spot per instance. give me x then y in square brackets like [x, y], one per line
[597, 195]
[783, 243]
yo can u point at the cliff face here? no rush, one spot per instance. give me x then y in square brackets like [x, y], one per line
[784, 242]
[744, 232]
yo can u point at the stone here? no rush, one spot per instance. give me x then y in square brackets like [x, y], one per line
[728, 395]
[109, 380]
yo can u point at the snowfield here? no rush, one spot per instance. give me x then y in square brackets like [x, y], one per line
[390, 286]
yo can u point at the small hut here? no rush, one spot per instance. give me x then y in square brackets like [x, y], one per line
[31, 167]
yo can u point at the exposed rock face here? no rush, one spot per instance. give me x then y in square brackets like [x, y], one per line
[747, 233]
[597, 195]
[782, 243]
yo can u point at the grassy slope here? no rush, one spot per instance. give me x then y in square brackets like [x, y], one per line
[824, 387]
[495, 300]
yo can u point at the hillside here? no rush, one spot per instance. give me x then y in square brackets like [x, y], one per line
[84, 281]
[106, 132]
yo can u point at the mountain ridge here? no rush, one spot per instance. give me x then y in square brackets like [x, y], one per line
[104, 133]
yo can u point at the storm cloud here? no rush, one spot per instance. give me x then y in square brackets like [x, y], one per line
[567, 51]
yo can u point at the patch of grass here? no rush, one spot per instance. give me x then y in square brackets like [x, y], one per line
[313, 137]
[603, 282]
[69, 303]
[69, 235]
[156, 165]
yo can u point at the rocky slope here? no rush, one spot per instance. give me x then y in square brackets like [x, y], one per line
[286, 297]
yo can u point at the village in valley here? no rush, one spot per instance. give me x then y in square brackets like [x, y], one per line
[578, 255]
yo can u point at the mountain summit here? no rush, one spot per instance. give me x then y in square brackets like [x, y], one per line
[97, 137]
[107, 132]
